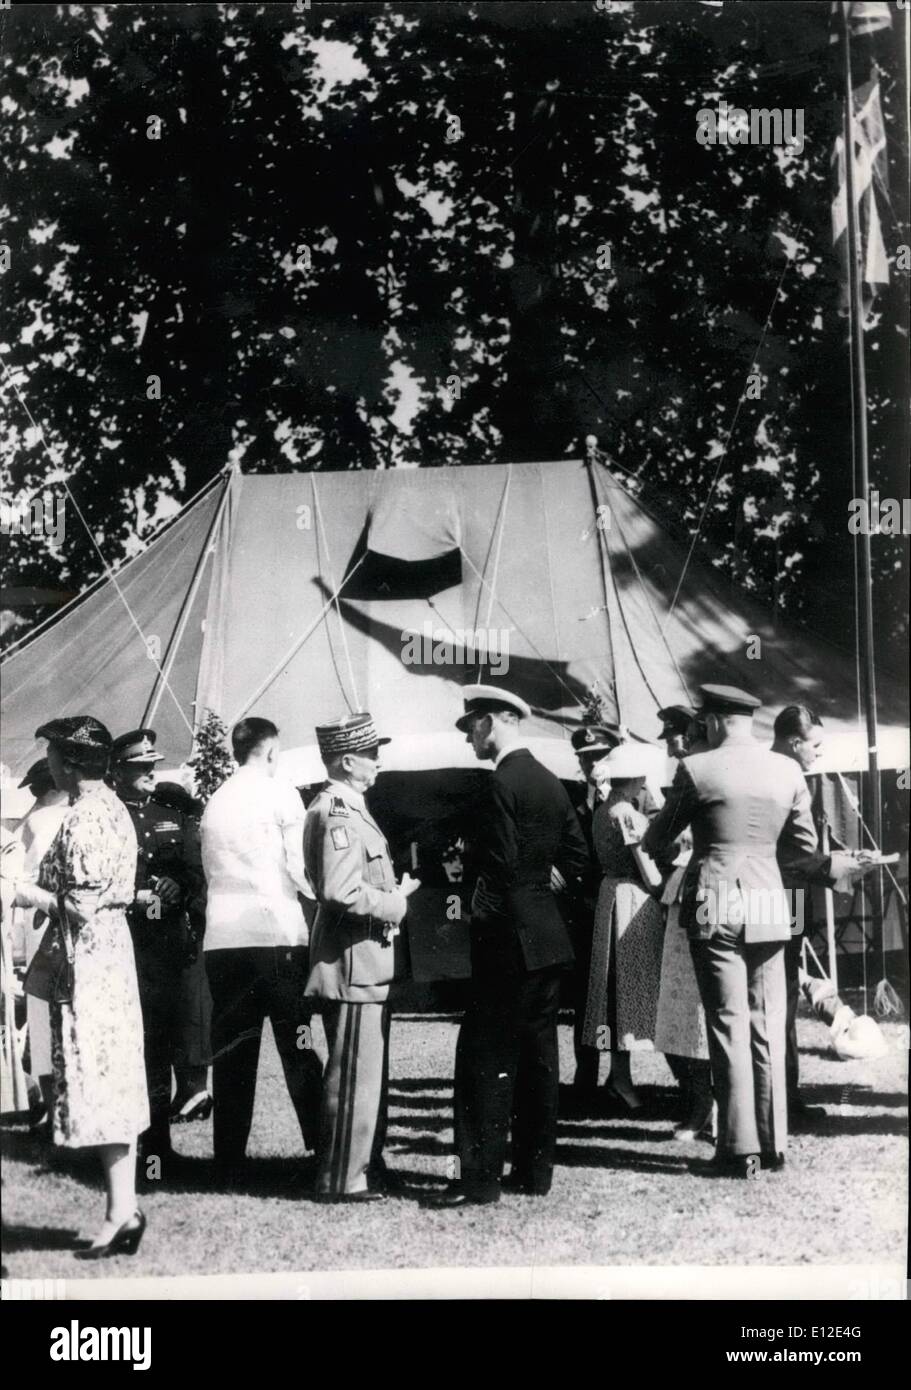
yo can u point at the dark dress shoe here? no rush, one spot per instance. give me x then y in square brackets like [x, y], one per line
[800, 1113]
[125, 1241]
[772, 1162]
[746, 1166]
[617, 1106]
[186, 1110]
[387, 1180]
[343, 1198]
[458, 1196]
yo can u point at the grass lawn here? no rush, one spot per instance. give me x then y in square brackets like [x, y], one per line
[623, 1192]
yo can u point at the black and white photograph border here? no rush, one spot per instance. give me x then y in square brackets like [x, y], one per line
[455, 740]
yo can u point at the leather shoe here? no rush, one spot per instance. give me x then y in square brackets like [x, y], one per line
[383, 1179]
[726, 1165]
[456, 1196]
[746, 1166]
[800, 1113]
[344, 1198]
[772, 1162]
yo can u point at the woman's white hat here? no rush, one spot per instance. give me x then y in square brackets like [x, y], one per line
[630, 760]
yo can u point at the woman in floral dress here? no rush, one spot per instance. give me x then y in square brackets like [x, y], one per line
[628, 934]
[96, 1041]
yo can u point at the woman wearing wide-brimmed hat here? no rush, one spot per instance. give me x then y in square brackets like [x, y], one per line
[628, 935]
[89, 873]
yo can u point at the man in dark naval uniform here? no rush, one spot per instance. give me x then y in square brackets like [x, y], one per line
[507, 1062]
[592, 743]
[170, 895]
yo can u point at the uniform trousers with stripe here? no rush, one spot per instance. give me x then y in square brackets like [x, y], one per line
[744, 995]
[250, 984]
[355, 1095]
[194, 1029]
[157, 949]
[507, 1071]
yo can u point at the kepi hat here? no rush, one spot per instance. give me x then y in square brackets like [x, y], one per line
[354, 733]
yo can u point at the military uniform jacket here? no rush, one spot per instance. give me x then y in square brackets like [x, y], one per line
[168, 843]
[527, 827]
[749, 811]
[350, 867]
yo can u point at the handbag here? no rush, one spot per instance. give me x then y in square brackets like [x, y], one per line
[51, 974]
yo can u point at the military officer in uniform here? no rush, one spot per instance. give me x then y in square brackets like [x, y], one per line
[359, 910]
[507, 1060]
[192, 1099]
[592, 743]
[744, 804]
[168, 908]
[677, 723]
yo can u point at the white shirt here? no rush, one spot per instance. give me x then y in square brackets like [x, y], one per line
[252, 834]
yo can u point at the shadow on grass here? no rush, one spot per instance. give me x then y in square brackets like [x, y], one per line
[19, 1238]
[842, 1095]
[402, 1102]
[431, 1084]
[15, 1239]
[575, 1156]
[843, 1126]
[600, 1130]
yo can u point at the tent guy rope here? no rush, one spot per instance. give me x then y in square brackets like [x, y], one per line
[109, 572]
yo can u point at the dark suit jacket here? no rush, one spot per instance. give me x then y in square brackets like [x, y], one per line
[527, 826]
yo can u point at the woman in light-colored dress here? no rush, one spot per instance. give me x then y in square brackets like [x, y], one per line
[628, 932]
[96, 1040]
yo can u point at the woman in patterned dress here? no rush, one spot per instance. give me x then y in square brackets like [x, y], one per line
[680, 1030]
[628, 934]
[96, 1041]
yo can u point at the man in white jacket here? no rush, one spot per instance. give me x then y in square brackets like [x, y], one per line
[256, 941]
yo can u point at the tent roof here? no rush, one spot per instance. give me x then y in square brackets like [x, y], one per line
[552, 571]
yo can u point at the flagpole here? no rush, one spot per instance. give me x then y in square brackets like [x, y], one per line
[861, 453]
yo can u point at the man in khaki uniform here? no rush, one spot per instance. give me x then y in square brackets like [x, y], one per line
[745, 804]
[359, 911]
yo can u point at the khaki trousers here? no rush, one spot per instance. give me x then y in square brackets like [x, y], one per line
[355, 1085]
[744, 995]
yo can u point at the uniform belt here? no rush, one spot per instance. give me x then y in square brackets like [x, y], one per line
[729, 848]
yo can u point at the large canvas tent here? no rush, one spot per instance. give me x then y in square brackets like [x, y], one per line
[303, 595]
[299, 597]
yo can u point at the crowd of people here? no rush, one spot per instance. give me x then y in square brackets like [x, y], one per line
[160, 935]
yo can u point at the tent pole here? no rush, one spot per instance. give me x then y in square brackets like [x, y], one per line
[177, 632]
[830, 914]
[859, 397]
